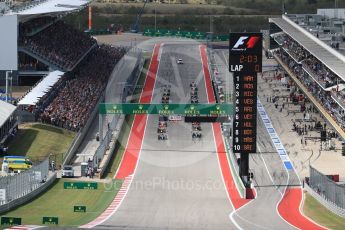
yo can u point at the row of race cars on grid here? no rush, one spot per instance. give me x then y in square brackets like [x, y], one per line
[162, 121]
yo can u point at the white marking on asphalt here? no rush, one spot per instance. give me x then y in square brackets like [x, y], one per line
[268, 172]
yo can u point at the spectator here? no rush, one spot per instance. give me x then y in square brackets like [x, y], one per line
[82, 89]
[65, 48]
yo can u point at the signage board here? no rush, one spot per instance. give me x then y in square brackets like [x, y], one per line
[79, 208]
[80, 185]
[244, 121]
[50, 220]
[167, 109]
[245, 52]
[11, 220]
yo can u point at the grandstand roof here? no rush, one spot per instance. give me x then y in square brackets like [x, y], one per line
[50, 6]
[6, 111]
[41, 88]
[331, 58]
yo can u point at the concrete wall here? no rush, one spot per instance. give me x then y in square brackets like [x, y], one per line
[80, 135]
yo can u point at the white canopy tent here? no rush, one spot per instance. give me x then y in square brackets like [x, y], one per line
[53, 6]
[41, 89]
[6, 111]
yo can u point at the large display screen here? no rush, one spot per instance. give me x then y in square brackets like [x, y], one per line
[245, 52]
[244, 121]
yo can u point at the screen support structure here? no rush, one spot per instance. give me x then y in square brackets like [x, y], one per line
[245, 62]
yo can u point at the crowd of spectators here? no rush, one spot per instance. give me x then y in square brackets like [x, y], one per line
[297, 51]
[81, 89]
[34, 25]
[61, 44]
[324, 75]
[323, 96]
[319, 71]
[26, 62]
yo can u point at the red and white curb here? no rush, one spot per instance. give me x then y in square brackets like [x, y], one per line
[25, 227]
[115, 204]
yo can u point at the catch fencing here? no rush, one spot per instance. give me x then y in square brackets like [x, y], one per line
[15, 186]
[327, 188]
[121, 85]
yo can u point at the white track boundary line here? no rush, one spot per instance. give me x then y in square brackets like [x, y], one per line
[24, 227]
[268, 172]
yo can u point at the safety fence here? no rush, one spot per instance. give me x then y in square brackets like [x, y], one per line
[327, 188]
[15, 186]
[120, 86]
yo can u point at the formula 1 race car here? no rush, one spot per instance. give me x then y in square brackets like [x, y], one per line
[196, 134]
[162, 136]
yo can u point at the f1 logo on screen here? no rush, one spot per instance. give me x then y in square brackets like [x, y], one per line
[245, 52]
[242, 46]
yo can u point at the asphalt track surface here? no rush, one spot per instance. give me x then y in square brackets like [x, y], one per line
[178, 182]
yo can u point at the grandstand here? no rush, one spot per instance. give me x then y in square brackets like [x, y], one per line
[67, 69]
[313, 48]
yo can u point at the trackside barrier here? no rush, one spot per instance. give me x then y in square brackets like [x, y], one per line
[102, 149]
[234, 170]
[325, 202]
[22, 187]
[328, 190]
[117, 93]
[112, 145]
[80, 135]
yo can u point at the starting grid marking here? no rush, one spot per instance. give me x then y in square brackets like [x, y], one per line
[274, 137]
[115, 204]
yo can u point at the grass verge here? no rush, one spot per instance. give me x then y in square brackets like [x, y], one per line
[37, 141]
[321, 215]
[59, 202]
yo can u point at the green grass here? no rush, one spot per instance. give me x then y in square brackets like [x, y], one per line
[59, 202]
[317, 212]
[37, 141]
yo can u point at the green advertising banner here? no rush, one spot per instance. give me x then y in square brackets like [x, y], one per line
[174, 33]
[79, 208]
[11, 221]
[80, 185]
[50, 220]
[167, 109]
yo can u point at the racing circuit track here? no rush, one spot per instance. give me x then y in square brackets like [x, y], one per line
[183, 183]
[184, 187]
